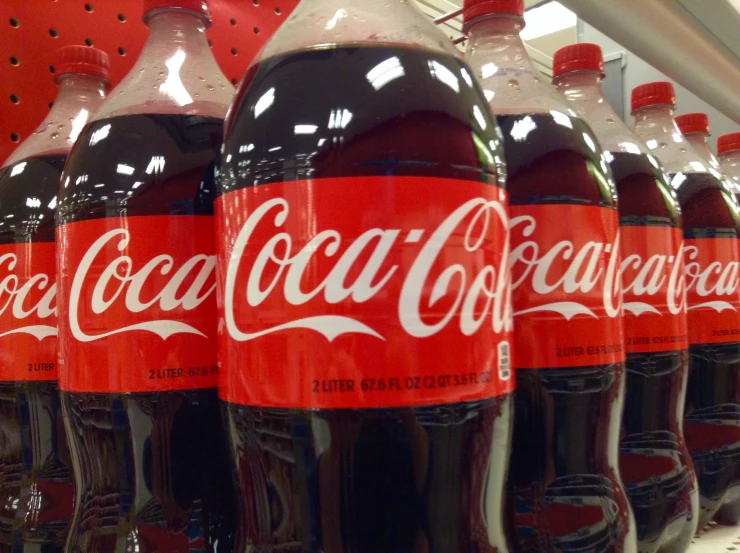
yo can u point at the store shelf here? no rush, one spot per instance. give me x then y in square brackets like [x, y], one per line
[716, 539]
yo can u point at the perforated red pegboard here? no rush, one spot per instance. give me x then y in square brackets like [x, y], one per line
[32, 30]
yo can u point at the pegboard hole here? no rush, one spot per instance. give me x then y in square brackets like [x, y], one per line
[122, 50]
[256, 2]
[14, 137]
[235, 81]
[234, 51]
[210, 43]
[233, 21]
[278, 11]
[14, 61]
[14, 98]
[256, 30]
[14, 22]
[51, 105]
[122, 17]
[89, 8]
[89, 41]
[52, 69]
[53, 33]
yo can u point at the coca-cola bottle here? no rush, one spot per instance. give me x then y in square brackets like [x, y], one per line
[137, 302]
[362, 229]
[36, 488]
[695, 128]
[654, 463]
[728, 155]
[711, 226]
[564, 489]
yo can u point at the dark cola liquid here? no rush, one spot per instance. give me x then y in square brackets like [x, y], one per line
[373, 480]
[564, 491]
[712, 412]
[36, 488]
[655, 465]
[151, 468]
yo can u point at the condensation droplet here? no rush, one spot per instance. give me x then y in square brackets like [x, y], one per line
[209, 87]
[54, 135]
[513, 83]
[683, 150]
[142, 69]
[661, 145]
[60, 127]
[610, 120]
[201, 78]
[197, 95]
[161, 73]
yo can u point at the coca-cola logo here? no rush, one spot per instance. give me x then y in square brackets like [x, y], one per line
[574, 273]
[355, 271]
[157, 285]
[650, 277]
[714, 280]
[24, 298]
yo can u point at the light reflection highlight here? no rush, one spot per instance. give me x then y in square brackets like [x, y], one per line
[443, 75]
[78, 123]
[385, 72]
[265, 101]
[173, 86]
[561, 118]
[305, 129]
[478, 114]
[678, 180]
[18, 169]
[488, 70]
[522, 127]
[101, 134]
[589, 142]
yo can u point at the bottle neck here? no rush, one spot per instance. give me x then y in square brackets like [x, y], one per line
[509, 78]
[655, 126]
[583, 91]
[171, 32]
[176, 72]
[78, 99]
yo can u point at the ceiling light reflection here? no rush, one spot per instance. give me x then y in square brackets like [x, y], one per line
[444, 75]
[173, 86]
[385, 72]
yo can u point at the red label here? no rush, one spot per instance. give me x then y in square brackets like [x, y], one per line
[364, 292]
[653, 287]
[712, 290]
[28, 312]
[139, 302]
[566, 286]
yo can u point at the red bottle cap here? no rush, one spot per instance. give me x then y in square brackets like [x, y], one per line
[473, 9]
[651, 94]
[578, 57]
[82, 59]
[728, 142]
[198, 7]
[693, 122]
